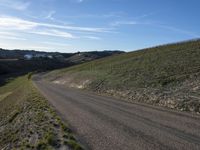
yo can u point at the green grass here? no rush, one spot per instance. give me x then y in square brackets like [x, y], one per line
[154, 67]
[27, 121]
[158, 70]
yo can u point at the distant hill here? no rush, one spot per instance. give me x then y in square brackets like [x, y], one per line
[167, 75]
[81, 57]
[14, 62]
[19, 54]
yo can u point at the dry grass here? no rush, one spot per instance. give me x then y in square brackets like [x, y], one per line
[27, 121]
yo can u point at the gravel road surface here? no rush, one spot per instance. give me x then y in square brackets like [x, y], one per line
[104, 123]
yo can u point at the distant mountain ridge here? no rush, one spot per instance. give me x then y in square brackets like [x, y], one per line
[15, 62]
[19, 54]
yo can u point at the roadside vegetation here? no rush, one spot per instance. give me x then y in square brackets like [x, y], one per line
[27, 121]
[166, 75]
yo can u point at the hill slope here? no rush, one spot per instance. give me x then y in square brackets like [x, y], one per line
[12, 62]
[19, 54]
[165, 75]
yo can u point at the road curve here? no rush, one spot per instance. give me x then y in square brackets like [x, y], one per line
[103, 123]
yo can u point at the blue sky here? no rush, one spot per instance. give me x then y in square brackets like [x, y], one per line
[84, 25]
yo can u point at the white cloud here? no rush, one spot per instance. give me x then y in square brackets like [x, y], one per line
[21, 24]
[50, 15]
[12, 38]
[171, 28]
[145, 15]
[14, 29]
[15, 4]
[55, 33]
[119, 23]
[92, 37]
[133, 21]
[75, 28]
[181, 31]
[16, 23]
[6, 33]
[118, 14]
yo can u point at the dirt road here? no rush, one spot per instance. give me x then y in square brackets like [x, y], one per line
[103, 123]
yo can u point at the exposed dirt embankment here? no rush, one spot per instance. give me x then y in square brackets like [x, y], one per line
[184, 97]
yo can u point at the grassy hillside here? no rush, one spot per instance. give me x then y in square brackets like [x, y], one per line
[28, 122]
[165, 75]
[12, 62]
[82, 57]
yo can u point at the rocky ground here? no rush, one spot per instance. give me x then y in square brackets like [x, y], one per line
[183, 96]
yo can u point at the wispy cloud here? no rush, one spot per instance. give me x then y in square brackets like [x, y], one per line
[98, 16]
[133, 21]
[156, 25]
[145, 15]
[92, 37]
[11, 26]
[15, 4]
[119, 23]
[50, 15]
[75, 28]
[6, 33]
[55, 33]
[10, 36]
[21, 24]
[170, 28]
[16, 23]
[178, 30]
